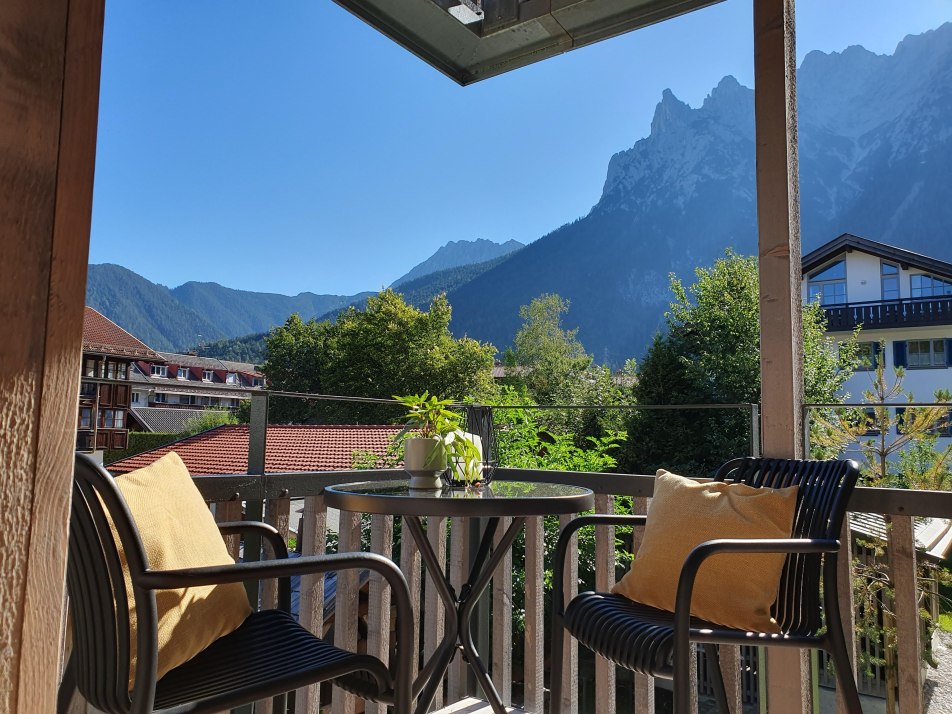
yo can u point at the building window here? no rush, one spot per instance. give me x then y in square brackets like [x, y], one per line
[110, 370]
[925, 353]
[160, 398]
[120, 420]
[207, 375]
[122, 370]
[160, 370]
[107, 418]
[829, 284]
[259, 381]
[90, 369]
[85, 418]
[233, 403]
[183, 372]
[889, 278]
[867, 355]
[922, 286]
[135, 397]
[231, 378]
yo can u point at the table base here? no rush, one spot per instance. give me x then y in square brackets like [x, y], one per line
[459, 611]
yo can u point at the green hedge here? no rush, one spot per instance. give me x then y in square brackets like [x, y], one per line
[139, 441]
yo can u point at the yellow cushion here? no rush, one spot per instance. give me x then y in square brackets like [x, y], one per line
[178, 531]
[735, 590]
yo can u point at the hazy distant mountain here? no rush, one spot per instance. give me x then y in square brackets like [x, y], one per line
[149, 311]
[230, 323]
[875, 160]
[457, 253]
[242, 312]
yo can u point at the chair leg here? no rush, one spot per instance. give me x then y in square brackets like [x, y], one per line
[556, 663]
[845, 681]
[67, 688]
[717, 678]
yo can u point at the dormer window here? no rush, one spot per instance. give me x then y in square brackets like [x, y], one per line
[889, 277]
[259, 381]
[231, 378]
[829, 284]
[207, 375]
[922, 286]
[183, 372]
[160, 370]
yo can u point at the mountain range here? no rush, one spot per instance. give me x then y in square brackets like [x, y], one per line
[875, 149]
[209, 316]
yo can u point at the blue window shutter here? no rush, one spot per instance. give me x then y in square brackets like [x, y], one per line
[899, 353]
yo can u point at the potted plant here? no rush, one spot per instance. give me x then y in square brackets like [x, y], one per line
[440, 441]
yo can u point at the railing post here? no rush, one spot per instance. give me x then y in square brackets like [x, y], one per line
[605, 689]
[644, 685]
[534, 660]
[844, 578]
[502, 620]
[313, 537]
[378, 604]
[754, 430]
[902, 564]
[254, 510]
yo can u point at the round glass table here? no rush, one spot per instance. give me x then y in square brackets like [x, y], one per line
[500, 499]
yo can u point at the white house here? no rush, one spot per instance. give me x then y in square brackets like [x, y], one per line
[901, 299]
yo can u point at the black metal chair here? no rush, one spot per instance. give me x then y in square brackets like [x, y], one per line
[657, 643]
[268, 655]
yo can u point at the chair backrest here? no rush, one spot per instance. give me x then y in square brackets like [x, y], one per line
[824, 489]
[97, 589]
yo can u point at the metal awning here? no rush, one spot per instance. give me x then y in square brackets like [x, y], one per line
[470, 40]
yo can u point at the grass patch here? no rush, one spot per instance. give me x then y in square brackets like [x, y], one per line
[945, 621]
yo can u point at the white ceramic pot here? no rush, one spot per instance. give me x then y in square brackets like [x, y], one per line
[425, 461]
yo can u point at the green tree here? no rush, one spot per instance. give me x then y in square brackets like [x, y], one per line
[710, 354]
[552, 365]
[385, 349]
[544, 353]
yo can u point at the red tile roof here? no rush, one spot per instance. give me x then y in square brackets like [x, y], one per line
[306, 447]
[103, 336]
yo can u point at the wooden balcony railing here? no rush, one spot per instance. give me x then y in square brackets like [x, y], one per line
[525, 685]
[915, 312]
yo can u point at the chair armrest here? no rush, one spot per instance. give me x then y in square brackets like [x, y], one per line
[265, 530]
[689, 570]
[561, 548]
[262, 570]
[279, 548]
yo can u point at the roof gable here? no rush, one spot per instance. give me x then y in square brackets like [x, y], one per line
[103, 336]
[847, 243]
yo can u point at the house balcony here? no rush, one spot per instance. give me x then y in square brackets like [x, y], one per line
[513, 626]
[914, 312]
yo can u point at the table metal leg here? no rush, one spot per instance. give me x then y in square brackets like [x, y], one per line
[459, 611]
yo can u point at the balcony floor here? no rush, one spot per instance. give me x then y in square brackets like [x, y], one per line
[471, 705]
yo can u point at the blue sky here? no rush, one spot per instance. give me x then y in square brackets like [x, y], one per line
[284, 147]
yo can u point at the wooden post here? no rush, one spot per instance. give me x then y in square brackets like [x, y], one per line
[49, 103]
[844, 578]
[534, 664]
[605, 689]
[378, 604]
[902, 565]
[644, 685]
[781, 341]
[502, 620]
